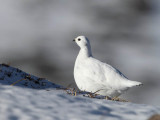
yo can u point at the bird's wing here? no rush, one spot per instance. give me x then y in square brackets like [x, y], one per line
[105, 74]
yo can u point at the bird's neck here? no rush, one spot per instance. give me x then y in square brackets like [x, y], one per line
[85, 52]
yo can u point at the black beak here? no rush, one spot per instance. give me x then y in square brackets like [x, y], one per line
[73, 40]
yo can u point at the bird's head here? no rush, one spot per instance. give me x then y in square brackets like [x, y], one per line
[82, 41]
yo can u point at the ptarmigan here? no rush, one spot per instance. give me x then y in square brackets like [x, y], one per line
[92, 75]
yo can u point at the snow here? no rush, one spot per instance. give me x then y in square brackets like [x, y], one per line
[22, 102]
[15, 76]
[28, 104]
[36, 36]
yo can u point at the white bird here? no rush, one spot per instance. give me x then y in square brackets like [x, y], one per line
[92, 75]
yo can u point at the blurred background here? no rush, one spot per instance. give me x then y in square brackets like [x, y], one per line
[36, 36]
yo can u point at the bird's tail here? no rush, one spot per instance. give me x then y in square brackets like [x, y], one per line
[133, 83]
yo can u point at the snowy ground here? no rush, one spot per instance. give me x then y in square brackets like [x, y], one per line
[36, 36]
[32, 102]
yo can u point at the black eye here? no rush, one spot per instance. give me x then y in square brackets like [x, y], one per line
[79, 39]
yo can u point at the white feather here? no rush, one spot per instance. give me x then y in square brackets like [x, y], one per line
[93, 75]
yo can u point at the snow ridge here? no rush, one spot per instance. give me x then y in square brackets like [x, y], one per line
[21, 102]
[14, 76]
